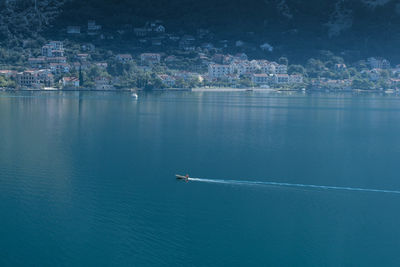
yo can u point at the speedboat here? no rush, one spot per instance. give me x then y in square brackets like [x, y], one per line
[182, 177]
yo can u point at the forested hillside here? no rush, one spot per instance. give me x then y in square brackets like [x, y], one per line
[294, 26]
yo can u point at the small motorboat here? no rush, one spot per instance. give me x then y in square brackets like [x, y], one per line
[182, 177]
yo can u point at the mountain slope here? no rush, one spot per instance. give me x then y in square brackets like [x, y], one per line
[23, 18]
[371, 25]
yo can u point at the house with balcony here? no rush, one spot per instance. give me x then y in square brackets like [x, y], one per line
[56, 45]
[57, 68]
[280, 79]
[261, 79]
[217, 71]
[28, 78]
[35, 79]
[103, 83]
[53, 49]
[281, 69]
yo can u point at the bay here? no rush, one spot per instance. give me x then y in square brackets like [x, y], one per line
[87, 178]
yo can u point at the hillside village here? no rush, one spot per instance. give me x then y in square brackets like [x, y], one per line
[151, 58]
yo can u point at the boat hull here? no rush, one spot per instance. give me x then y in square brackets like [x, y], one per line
[181, 177]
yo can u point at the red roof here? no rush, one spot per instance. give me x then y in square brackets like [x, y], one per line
[70, 79]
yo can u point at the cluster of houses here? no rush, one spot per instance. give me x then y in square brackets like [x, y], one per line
[52, 57]
[145, 58]
[375, 69]
[261, 72]
[378, 63]
[212, 67]
[152, 34]
[51, 62]
[151, 28]
[377, 66]
[43, 68]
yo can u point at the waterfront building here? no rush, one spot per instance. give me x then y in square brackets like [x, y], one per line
[219, 70]
[280, 79]
[261, 79]
[103, 83]
[70, 82]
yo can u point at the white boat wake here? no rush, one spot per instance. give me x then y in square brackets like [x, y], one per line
[310, 186]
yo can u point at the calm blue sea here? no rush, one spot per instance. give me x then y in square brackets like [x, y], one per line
[87, 179]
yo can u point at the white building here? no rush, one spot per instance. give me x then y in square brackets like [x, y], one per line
[53, 49]
[281, 69]
[267, 67]
[219, 71]
[59, 68]
[103, 83]
[280, 79]
[261, 79]
[56, 45]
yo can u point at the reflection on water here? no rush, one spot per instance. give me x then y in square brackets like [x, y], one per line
[87, 178]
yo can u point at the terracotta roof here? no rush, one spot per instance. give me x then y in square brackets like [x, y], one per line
[70, 79]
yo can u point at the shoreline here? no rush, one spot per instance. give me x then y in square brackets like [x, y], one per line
[207, 89]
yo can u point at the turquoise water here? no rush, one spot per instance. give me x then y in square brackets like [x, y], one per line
[87, 179]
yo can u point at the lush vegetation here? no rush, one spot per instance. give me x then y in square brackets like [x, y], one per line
[297, 29]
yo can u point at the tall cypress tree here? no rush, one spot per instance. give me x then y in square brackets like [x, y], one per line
[80, 76]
